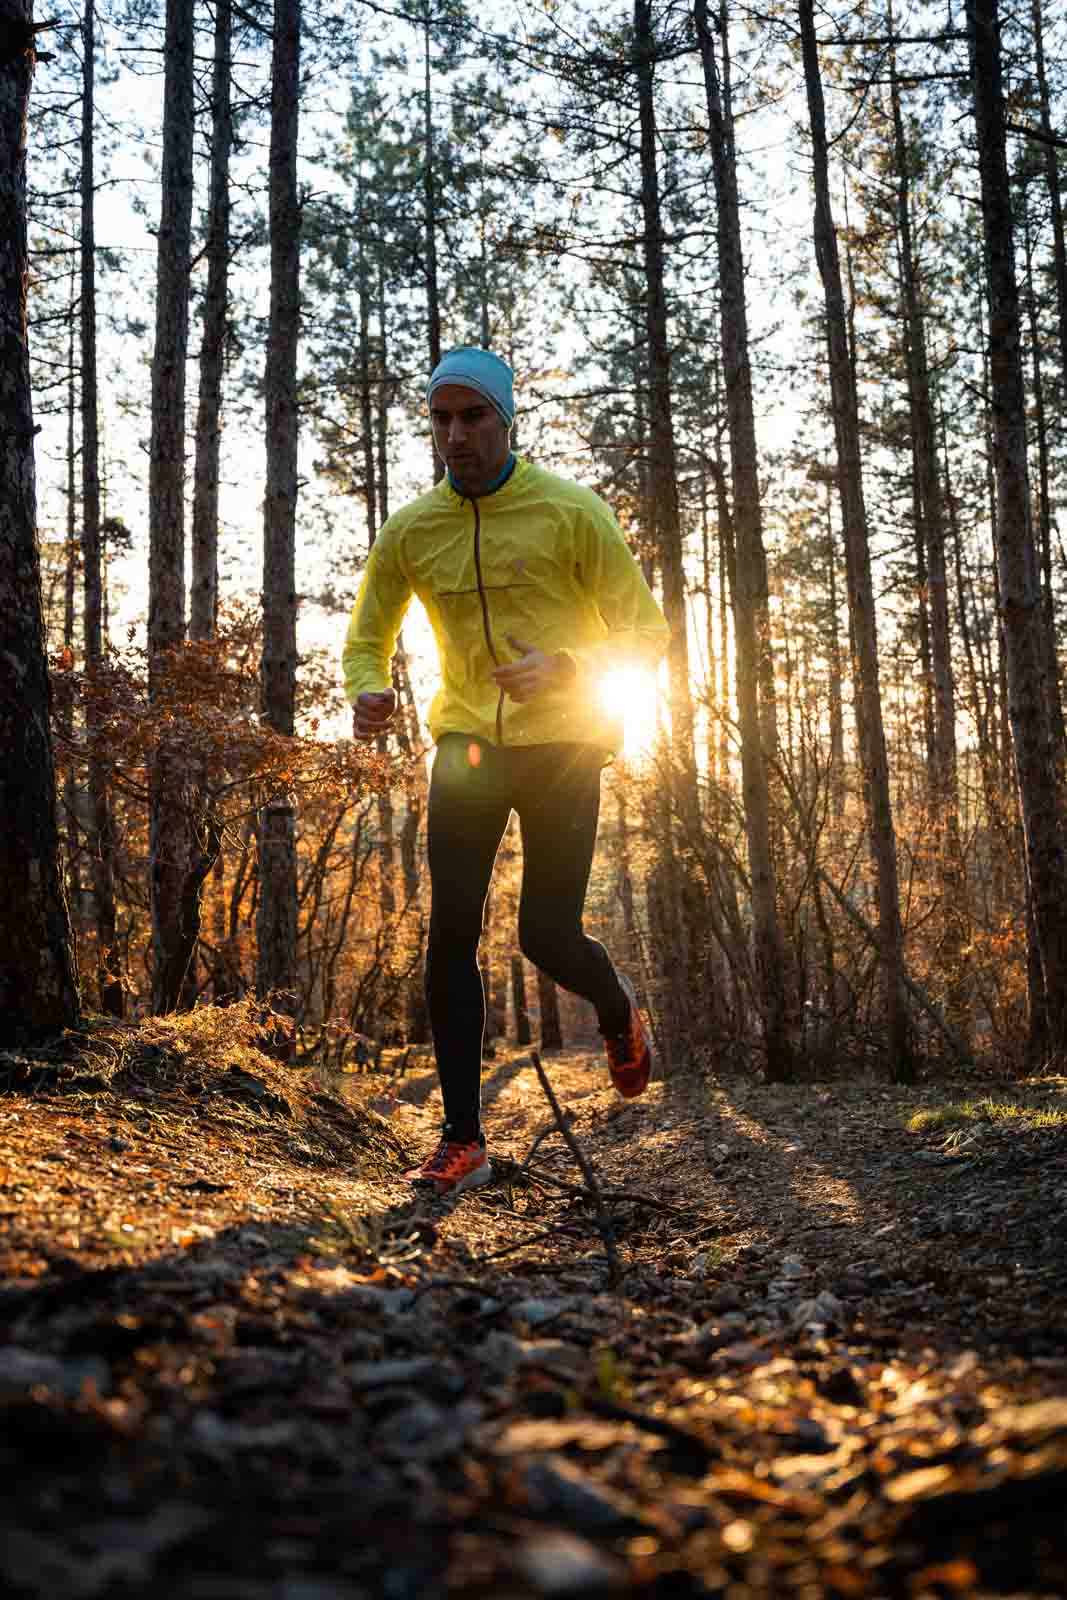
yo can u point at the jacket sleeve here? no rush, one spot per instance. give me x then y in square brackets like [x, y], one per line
[383, 598]
[637, 630]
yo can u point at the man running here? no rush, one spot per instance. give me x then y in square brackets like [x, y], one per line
[533, 597]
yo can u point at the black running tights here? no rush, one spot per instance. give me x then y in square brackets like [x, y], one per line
[555, 789]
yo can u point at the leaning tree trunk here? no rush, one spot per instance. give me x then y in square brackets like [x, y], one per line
[858, 572]
[170, 831]
[751, 613]
[101, 840]
[1020, 597]
[38, 981]
[276, 921]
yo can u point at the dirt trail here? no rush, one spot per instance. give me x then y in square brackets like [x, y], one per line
[238, 1359]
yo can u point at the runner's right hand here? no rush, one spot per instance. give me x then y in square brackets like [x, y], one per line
[373, 713]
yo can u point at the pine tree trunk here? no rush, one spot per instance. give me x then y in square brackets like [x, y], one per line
[1044, 517]
[1053, 181]
[548, 1000]
[382, 411]
[204, 596]
[944, 796]
[366, 398]
[1020, 599]
[624, 873]
[518, 1000]
[386, 849]
[667, 531]
[662, 453]
[101, 838]
[835, 670]
[170, 832]
[70, 831]
[429, 197]
[277, 917]
[858, 573]
[418, 1017]
[751, 615]
[485, 965]
[38, 980]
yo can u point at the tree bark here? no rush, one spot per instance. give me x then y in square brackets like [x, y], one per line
[751, 614]
[663, 470]
[1052, 181]
[548, 1000]
[944, 796]
[429, 197]
[858, 572]
[170, 831]
[101, 839]
[38, 979]
[666, 529]
[204, 596]
[70, 834]
[276, 921]
[1044, 514]
[835, 670]
[1020, 598]
[518, 1000]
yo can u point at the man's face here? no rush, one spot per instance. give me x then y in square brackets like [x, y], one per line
[469, 434]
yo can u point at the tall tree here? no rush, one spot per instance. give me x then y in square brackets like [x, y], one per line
[1020, 597]
[931, 531]
[101, 840]
[751, 615]
[170, 832]
[858, 569]
[204, 595]
[665, 517]
[276, 921]
[38, 981]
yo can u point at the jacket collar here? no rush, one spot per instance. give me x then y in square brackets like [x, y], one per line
[502, 479]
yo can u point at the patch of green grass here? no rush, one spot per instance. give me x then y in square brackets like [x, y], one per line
[958, 1113]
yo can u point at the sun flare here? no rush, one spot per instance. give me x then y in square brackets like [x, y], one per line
[631, 694]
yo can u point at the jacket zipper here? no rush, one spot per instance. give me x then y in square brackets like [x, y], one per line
[483, 597]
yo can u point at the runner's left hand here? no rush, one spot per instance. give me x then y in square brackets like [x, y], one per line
[534, 673]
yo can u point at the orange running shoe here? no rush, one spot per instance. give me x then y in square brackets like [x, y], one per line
[630, 1052]
[453, 1167]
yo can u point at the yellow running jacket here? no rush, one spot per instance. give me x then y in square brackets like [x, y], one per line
[540, 558]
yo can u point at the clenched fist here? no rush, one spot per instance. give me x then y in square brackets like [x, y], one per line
[373, 713]
[534, 672]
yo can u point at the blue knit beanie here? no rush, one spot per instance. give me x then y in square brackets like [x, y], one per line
[480, 370]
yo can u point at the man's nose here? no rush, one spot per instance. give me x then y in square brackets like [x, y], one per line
[456, 431]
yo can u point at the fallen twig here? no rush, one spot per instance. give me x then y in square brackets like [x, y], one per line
[510, 1171]
[533, 1238]
[603, 1220]
[546, 1133]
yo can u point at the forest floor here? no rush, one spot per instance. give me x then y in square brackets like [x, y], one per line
[238, 1361]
